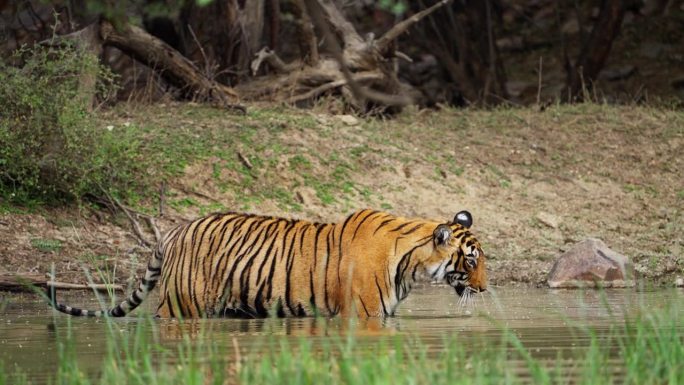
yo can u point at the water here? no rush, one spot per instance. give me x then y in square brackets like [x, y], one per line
[550, 323]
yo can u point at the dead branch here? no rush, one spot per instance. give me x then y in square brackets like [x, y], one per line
[384, 41]
[162, 198]
[26, 283]
[155, 229]
[245, 161]
[274, 61]
[134, 223]
[360, 94]
[173, 67]
[92, 286]
[359, 77]
[197, 193]
[329, 15]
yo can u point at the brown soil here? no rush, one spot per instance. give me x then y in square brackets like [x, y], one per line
[535, 182]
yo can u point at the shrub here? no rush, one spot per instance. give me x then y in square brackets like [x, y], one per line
[50, 150]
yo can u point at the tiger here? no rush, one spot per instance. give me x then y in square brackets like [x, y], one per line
[254, 266]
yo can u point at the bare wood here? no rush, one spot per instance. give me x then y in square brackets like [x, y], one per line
[197, 193]
[269, 56]
[308, 39]
[134, 223]
[245, 161]
[162, 198]
[539, 81]
[155, 229]
[343, 28]
[92, 286]
[26, 283]
[360, 94]
[173, 66]
[360, 77]
[384, 41]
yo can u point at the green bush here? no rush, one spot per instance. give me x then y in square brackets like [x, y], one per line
[50, 150]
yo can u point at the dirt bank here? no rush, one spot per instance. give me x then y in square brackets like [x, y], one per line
[534, 181]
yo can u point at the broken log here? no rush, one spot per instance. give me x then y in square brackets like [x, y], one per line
[172, 66]
[364, 71]
[27, 283]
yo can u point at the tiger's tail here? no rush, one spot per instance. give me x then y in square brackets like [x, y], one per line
[148, 282]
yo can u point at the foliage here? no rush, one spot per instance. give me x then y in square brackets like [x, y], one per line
[49, 150]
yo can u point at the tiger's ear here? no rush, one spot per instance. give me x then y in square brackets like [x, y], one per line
[464, 219]
[442, 235]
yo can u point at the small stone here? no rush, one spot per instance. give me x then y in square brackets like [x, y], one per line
[549, 220]
[591, 263]
[679, 282]
[348, 120]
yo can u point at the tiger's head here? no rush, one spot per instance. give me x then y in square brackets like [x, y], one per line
[463, 262]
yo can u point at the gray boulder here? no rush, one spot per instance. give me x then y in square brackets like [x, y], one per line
[590, 263]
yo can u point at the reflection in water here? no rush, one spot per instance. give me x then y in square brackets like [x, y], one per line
[549, 323]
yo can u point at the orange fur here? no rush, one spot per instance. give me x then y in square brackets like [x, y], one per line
[247, 265]
[236, 264]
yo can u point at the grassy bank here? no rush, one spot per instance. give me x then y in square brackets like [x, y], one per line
[535, 182]
[646, 349]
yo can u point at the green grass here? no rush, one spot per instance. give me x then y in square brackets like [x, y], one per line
[647, 349]
[46, 245]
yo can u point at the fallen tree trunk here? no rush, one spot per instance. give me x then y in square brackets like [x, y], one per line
[172, 66]
[27, 282]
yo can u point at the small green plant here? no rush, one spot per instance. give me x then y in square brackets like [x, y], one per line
[46, 245]
[49, 149]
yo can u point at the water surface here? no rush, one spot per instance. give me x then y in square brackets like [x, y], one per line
[550, 323]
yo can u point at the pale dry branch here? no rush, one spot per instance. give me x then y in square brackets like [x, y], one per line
[269, 56]
[27, 283]
[383, 43]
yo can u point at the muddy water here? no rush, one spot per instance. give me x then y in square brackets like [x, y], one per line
[546, 321]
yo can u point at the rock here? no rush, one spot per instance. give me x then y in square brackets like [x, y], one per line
[348, 120]
[548, 219]
[679, 282]
[590, 263]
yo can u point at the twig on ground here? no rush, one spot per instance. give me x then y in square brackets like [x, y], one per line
[26, 282]
[162, 198]
[134, 223]
[153, 225]
[539, 81]
[245, 161]
[92, 286]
